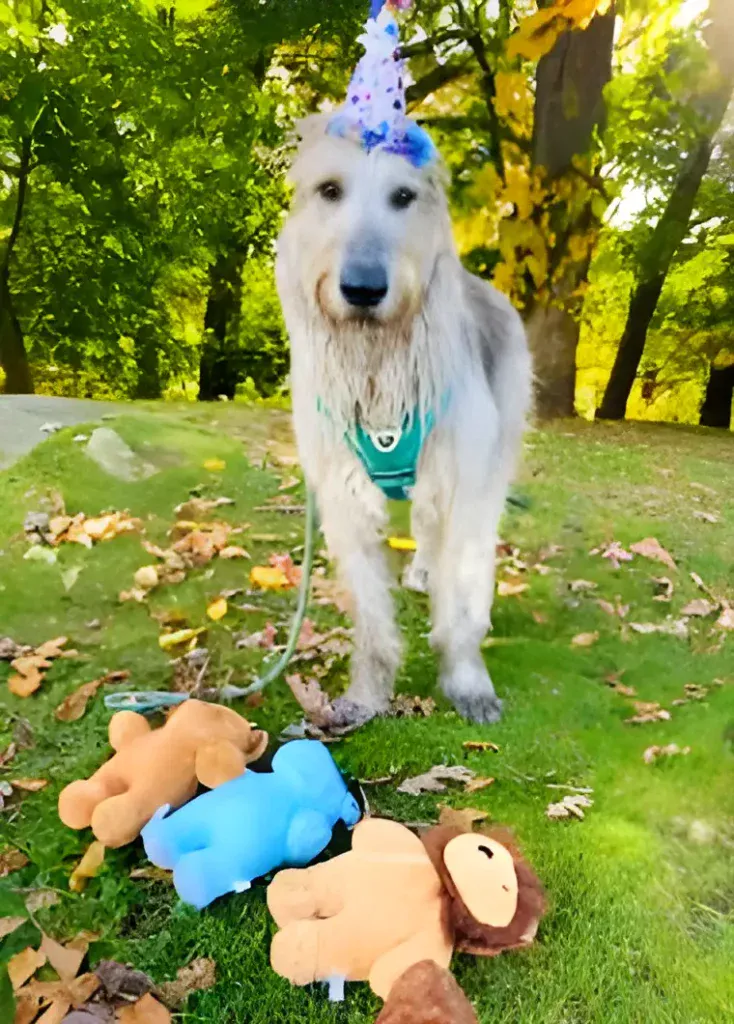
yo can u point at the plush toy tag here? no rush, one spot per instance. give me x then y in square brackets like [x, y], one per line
[483, 871]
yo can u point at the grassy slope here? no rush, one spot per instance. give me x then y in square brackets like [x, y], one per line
[640, 921]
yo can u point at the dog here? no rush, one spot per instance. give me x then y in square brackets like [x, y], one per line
[388, 330]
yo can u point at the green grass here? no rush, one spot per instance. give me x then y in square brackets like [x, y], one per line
[640, 922]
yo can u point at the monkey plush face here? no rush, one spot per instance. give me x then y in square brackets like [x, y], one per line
[493, 899]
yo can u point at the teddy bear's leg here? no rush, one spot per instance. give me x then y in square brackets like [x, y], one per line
[126, 726]
[430, 944]
[307, 951]
[116, 821]
[302, 893]
[200, 877]
[78, 800]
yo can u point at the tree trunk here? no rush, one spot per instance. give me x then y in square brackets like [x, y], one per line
[149, 384]
[710, 105]
[218, 369]
[553, 336]
[716, 408]
[13, 355]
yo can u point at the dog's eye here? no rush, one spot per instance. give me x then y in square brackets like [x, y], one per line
[402, 198]
[331, 191]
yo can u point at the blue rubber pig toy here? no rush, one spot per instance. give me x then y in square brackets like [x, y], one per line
[252, 825]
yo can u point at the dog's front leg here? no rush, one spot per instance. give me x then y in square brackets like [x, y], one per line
[353, 516]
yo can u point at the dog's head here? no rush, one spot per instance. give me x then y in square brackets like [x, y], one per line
[365, 229]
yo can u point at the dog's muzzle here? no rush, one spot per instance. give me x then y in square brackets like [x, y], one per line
[364, 285]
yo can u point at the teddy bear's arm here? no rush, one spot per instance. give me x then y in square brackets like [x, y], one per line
[218, 762]
[314, 892]
[380, 836]
[429, 944]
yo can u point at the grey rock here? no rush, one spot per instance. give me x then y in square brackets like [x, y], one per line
[115, 457]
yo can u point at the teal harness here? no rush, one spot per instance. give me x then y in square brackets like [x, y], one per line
[391, 456]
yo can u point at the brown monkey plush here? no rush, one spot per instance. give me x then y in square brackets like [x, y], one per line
[395, 900]
[200, 742]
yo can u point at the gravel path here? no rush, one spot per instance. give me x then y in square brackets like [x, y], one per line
[22, 416]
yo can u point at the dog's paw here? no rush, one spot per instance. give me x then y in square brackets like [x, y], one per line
[350, 714]
[469, 688]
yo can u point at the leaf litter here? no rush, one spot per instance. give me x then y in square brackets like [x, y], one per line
[434, 780]
[572, 806]
[30, 669]
[646, 712]
[651, 548]
[655, 753]
[74, 706]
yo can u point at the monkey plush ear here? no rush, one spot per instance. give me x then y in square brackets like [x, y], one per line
[495, 901]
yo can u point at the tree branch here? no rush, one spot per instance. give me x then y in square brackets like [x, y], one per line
[441, 75]
[427, 46]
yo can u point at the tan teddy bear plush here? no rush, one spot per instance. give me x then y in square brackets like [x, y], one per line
[200, 742]
[395, 900]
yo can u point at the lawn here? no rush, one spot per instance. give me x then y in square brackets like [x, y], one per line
[640, 926]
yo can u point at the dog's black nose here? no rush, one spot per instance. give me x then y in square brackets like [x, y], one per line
[364, 285]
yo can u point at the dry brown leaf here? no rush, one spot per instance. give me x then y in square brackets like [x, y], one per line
[651, 548]
[699, 607]
[146, 577]
[7, 755]
[9, 924]
[52, 648]
[39, 899]
[29, 664]
[151, 873]
[411, 706]
[197, 508]
[65, 960]
[88, 867]
[199, 975]
[581, 586]
[671, 750]
[585, 639]
[571, 806]
[506, 588]
[24, 965]
[726, 619]
[540, 617]
[706, 517]
[72, 708]
[664, 586]
[24, 686]
[232, 551]
[671, 627]
[614, 553]
[434, 780]
[477, 784]
[646, 712]
[11, 860]
[617, 609]
[146, 1011]
[481, 745]
[29, 785]
[464, 818]
[330, 591]
[217, 608]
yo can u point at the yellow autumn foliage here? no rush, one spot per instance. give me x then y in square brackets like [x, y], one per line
[537, 34]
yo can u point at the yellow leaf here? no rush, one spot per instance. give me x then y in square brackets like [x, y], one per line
[215, 465]
[506, 588]
[402, 543]
[29, 785]
[88, 867]
[585, 639]
[233, 552]
[23, 966]
[24, 686]
[269, 577]
[167, 641]
[217, 609]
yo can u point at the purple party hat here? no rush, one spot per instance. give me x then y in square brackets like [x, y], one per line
[374, 113]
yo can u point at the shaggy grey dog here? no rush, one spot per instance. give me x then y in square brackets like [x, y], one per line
[388, 331]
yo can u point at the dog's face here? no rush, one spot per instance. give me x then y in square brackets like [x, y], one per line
[368, 228]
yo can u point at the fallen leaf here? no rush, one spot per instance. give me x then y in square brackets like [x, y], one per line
[585, 639]
[481, 745]
[167, 641]
[664, 586]
[23, 966]
[88, 867]
[672, 627]
[24, 686]
[72, 707]
[312, 699]
[285, 564]
[463, 818]
[699, 607]
[29, 785]
[9, 924]
[540, 617]
[692, 692]
[506, 588]
[269, 578]
[7, 755]
[11, 860]
[197, 508]
[146, 577]
[671, 750]
[581, 586]
[706, 517]
[30, 663]
[136, 594]
[264, 638]
[122, 982]
[199, 975]
[9, 650]
[651, 548]
[232, 551]
[477, 784]
[217, 609]
[52, 648]
[402, 544]
[65, 960]
[571, 805]
[726, 619]
[40, 553]
[331, 591]
[407, 706]
[151, 873]
[215, 465]
[617, 609]
[146, 1011]
[613, 680]
[433, 781]
[614, 553]
[39, 899]
[647, 711]
[70, 576]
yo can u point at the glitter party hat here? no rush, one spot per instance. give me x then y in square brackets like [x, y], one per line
[374, 113]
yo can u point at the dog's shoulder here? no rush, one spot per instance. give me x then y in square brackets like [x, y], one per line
[495, 324]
